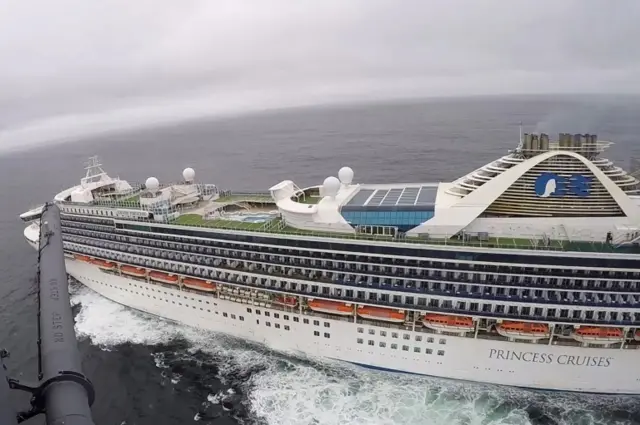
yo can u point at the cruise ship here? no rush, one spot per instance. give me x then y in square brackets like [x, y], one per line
[524, 272]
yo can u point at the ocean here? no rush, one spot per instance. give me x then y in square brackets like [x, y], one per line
[149, 371]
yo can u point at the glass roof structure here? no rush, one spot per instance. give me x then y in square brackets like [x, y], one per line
[414, 196]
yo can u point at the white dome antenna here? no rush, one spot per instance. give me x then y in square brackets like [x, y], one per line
[346, 175]
[152, 184]
[188, 174]
[331, 186]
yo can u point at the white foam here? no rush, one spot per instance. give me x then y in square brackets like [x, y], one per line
[215, 398]
[290, 391]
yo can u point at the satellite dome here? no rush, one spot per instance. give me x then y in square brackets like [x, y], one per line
[152, 184]
[346, 175]
[331, 186]
[188, 174]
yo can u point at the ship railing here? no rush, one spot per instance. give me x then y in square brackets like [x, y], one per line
[528, 242]
[278, 225]
[629, 237]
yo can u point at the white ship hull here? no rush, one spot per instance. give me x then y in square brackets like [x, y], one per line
[521, 364]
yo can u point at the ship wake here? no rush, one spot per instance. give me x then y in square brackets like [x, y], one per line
[261, 386]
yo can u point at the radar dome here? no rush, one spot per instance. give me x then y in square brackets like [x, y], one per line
[188, 174]
[346, 175]
[152, 184]
[331, 186]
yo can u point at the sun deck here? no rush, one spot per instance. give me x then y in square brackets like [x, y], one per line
[277, 226]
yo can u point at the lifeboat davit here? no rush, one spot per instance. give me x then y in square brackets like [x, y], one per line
[163, 277]
[199, 284]
[331, 307]
[84, 258]
[523, 330]
[133, 271]
[598, 336]
[104, 265]
[446, 323]
[286, 301]
[380, 313]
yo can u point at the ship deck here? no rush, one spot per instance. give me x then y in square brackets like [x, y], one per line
[279, 227]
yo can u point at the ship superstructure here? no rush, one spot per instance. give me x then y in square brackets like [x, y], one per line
[524, 272]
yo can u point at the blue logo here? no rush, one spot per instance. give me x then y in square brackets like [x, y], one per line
[549, 184]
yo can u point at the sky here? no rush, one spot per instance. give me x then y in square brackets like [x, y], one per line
[71, 68]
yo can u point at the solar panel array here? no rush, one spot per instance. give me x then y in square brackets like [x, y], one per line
[424, 195]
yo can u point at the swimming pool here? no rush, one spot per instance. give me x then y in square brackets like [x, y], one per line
[251, 217]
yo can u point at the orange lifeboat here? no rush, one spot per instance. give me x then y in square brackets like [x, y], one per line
[163, 277]
[598, 336]
[523, 330]
[104, 265]
[331, 307]
[84, 258]
[379, 313]
[199, 284]
[286, 301]
[446, 323]
[133, 271]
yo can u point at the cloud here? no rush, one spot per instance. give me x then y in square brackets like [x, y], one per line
[70, 68]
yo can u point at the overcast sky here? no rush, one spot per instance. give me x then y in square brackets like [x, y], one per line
[72, 67]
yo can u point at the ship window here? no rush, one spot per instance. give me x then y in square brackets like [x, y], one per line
[430, 340]
[258, 312]
[286, 327]
[277, 325]
[248, 310]
[428, 351]
[372, 331]
[266, 313]
[233, 316]
[257, 321]
[383, 333]
[327, 324]
[359, 340]
[394, 346]
[305, 321]
[405, 348]
[360, 330]
[442, 341]
[326, 335]
[371, 342]
[316, 323]
[383, 344]
[418, 338]
[441, 352]
[241, 318]
[316, 333]
[406, 336]
[416, 349]
[286, 317]
[276, 315]
[269, 324]
[394, 334]
[296, 319]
